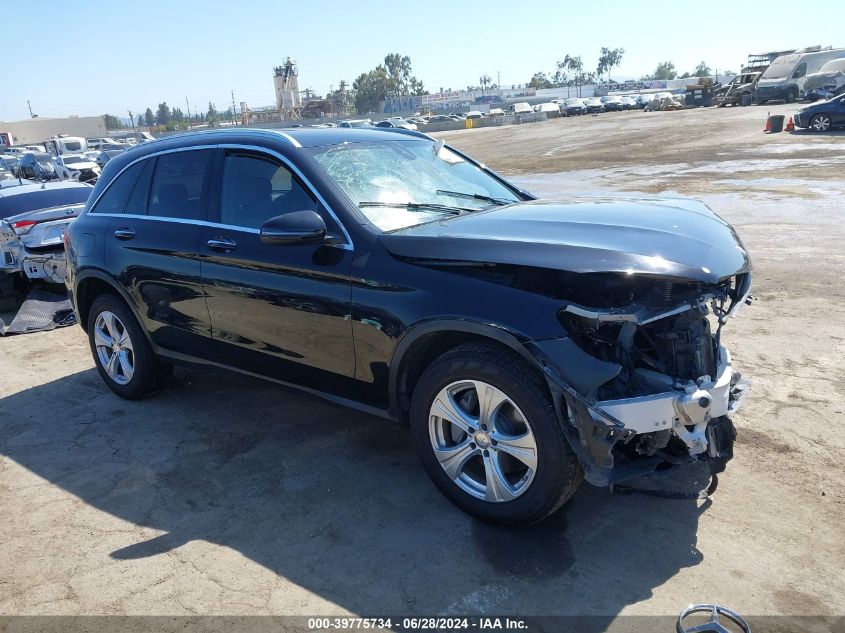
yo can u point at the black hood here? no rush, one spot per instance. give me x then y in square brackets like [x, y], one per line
[658, 236]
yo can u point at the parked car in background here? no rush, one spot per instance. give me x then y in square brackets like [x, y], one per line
[355, 123]
[104, 157]
[104, 143]
[77, 167]
[521, 108]
[612, 103]
[628, 103]
[594, 105]
[397, 123]
[822, 116]
[10, 162]
[37, 166]
[738, 91]
[572, 107]
[475, 114]
[526, 343]
[644, 99]
[547, 107]
[828, 82]
[496, 112]
[33, 218]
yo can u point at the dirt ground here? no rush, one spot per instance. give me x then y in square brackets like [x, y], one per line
[228, 495]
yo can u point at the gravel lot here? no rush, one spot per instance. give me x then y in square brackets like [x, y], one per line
[228, 495]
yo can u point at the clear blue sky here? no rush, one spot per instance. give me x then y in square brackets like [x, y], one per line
[136, 54]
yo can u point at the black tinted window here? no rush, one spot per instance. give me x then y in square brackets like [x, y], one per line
[115, 197]
[137, 204]
[178, 184]
[256, 188]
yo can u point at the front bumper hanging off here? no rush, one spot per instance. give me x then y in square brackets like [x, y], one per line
[695, 412]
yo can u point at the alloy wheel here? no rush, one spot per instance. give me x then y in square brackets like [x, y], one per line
[114, 347]
[821, 123]
[482, 440]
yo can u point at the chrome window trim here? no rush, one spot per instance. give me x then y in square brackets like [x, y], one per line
[253, 148]
[161, 218]
[138, 160]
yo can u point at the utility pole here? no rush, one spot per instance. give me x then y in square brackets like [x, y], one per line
[190, 126]
[499, 79]
[234, 120]
[28, 105]
[132, 121]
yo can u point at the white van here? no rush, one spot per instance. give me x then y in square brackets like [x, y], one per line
[547, 107]
[784, 78]
[66, 145]
[521, 108]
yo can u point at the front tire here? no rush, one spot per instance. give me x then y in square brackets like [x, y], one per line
[121, 352]
[820, 123]
[486, 430]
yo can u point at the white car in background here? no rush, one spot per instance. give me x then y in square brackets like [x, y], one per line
[77, 167]
[397, 123]
[521, 108]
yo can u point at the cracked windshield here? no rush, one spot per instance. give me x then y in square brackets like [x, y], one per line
[397, 184]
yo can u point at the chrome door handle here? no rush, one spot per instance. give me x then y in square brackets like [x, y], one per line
[124, 234]
[223, 244]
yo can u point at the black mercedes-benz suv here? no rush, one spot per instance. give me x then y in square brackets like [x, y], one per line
[527, 344]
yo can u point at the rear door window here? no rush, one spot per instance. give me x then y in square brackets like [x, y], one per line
[179, 184]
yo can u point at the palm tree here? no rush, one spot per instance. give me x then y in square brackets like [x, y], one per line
[484, 80]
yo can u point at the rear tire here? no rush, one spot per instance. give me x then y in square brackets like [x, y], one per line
[121, 352]
[485, 469]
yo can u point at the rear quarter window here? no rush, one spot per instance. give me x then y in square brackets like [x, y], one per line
[115, 197]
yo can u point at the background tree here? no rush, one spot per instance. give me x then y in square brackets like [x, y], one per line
[484, 80]
[665, 71]
[212, 117]
[702, 70]
[150, 118]
[392, 78]
[163, 114]
[112, 122]
[609, 59]
[539, 80]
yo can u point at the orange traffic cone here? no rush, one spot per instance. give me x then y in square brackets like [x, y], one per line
[790, 126]
[768, 128]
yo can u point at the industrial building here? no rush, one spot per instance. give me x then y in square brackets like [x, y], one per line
[40, 129]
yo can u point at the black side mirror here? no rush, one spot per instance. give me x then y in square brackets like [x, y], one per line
[295, 228]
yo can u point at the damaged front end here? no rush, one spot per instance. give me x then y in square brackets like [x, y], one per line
[652, 386]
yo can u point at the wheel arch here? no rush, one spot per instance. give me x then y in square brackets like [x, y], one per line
[422, 343]
[92, 283]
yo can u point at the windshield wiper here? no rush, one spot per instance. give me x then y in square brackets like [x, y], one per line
[418, 206]
[475, 196]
